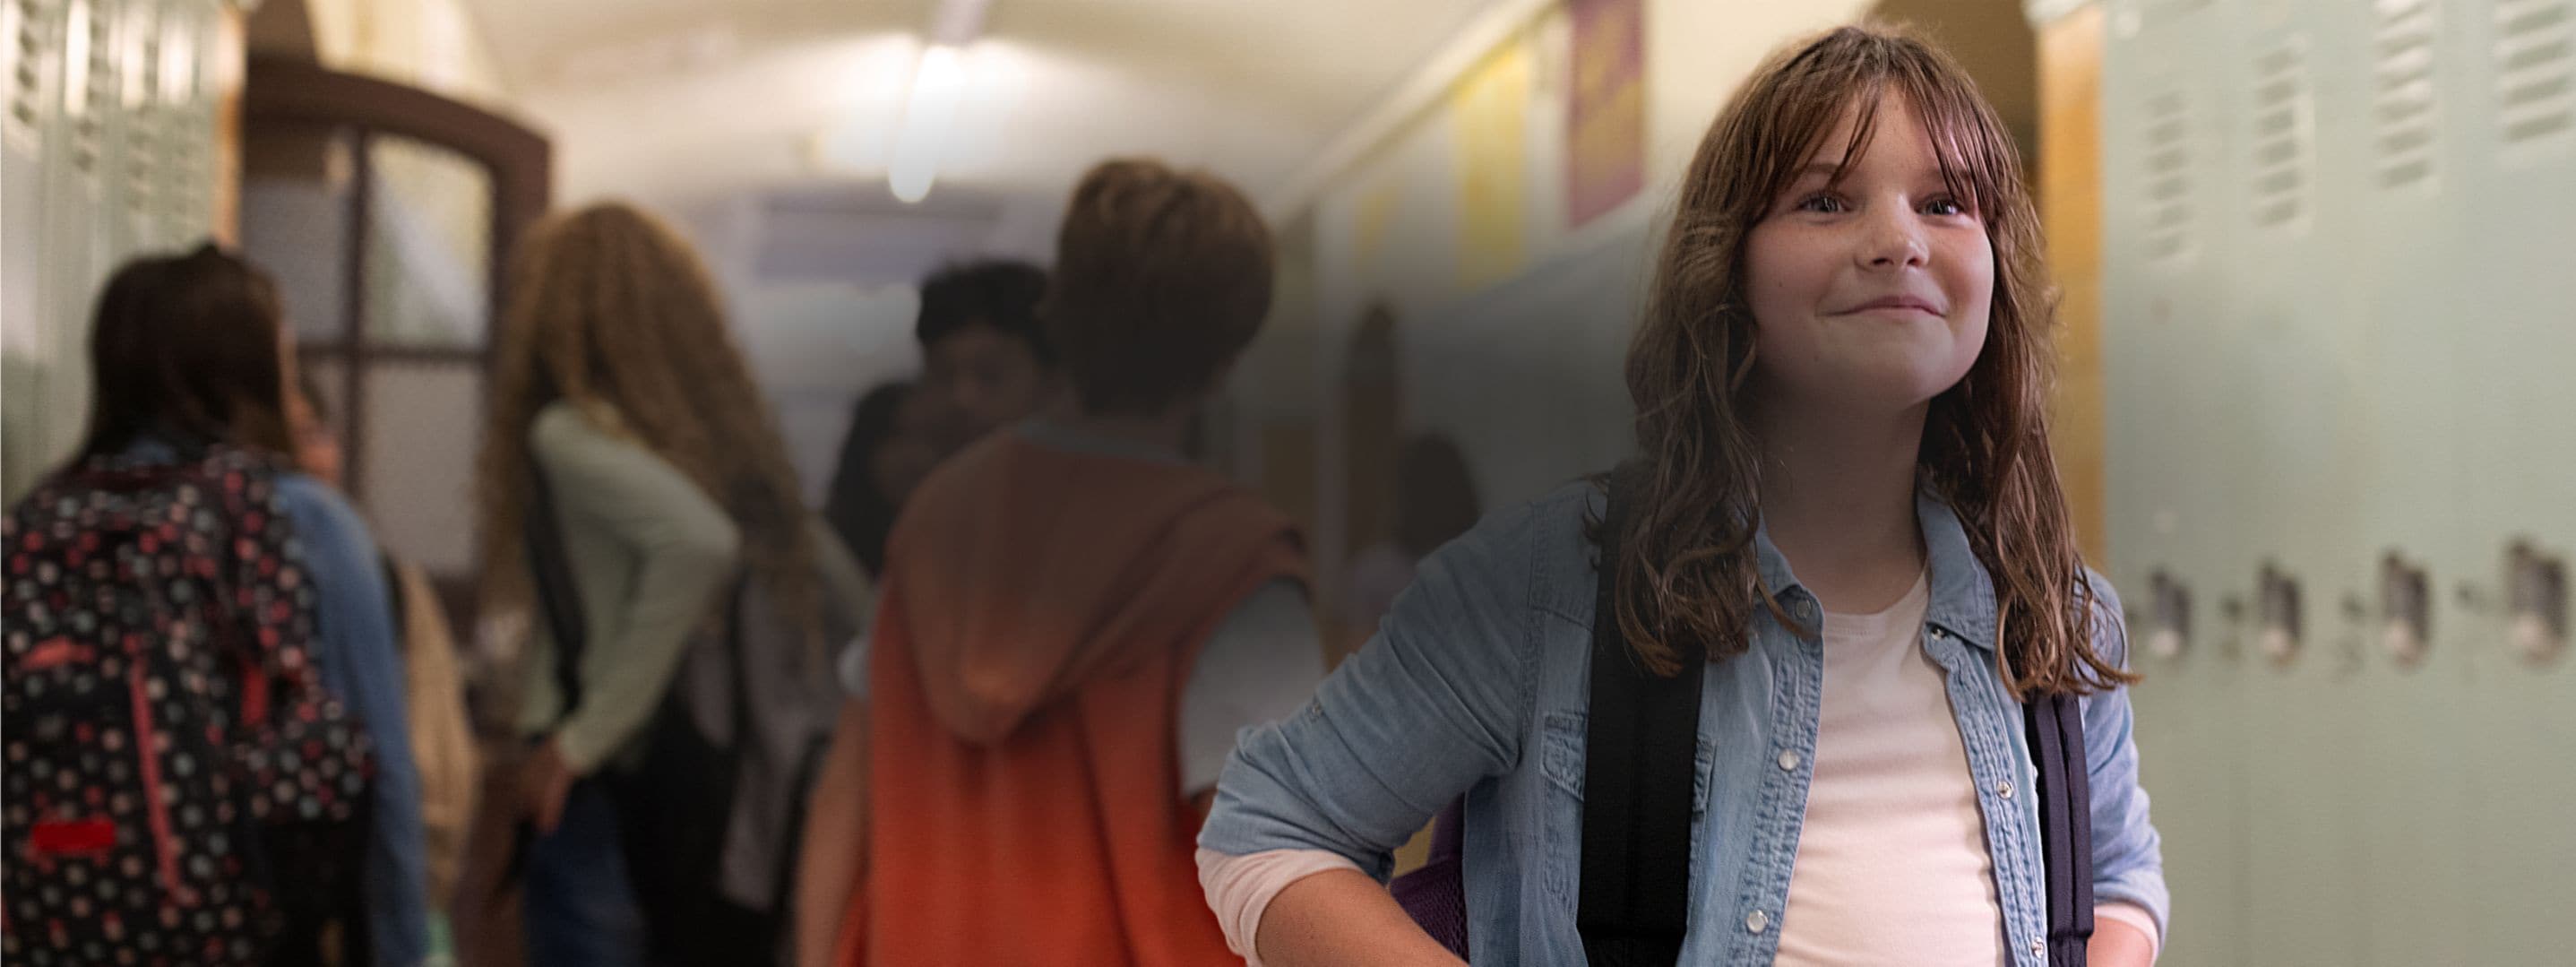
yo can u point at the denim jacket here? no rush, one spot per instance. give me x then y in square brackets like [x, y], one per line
[359, 653]
[1477, 682]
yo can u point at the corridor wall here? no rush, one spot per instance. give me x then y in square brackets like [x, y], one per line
[1392, 229]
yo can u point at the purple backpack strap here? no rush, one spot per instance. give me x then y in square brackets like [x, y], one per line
[2056, 725]
[1436, 894]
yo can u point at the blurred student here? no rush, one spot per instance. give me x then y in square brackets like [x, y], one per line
[1075, 621]
[179, 560]
[442, 735]
[987, 363]
[887, 451]
[629, 445]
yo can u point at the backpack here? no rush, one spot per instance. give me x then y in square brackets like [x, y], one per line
[165, 730]
[1640, 747]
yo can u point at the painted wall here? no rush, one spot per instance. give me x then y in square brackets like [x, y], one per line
[1511, 345]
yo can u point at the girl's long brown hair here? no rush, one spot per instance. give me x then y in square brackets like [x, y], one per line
[1688, 568]
[612, 311]
[188, 345]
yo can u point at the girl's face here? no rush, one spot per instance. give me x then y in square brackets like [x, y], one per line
[1870, 294]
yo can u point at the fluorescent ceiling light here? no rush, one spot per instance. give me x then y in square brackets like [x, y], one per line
[927, 115]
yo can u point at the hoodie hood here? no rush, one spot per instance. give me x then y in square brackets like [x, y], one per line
[1021, 572]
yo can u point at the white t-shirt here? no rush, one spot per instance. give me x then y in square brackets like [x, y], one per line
[1892, 865]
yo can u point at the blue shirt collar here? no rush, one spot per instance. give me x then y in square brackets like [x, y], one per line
[1962, 594]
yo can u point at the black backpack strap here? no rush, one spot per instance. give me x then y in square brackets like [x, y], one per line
[558, 603]
[558, 599]
[737, 670]
[395, 606]
[1640, 760]
[2056, 726]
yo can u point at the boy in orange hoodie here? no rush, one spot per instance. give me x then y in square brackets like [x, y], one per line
[1074, 622]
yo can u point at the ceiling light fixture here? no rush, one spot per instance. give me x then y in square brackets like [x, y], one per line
[930, 109]
[927, 114]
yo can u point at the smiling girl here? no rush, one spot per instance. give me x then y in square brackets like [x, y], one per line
[1844, 521]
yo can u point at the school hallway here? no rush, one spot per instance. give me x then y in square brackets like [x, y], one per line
[2313, 407]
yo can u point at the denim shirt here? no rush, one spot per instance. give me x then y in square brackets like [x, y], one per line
[1477, 683]
[358, 653]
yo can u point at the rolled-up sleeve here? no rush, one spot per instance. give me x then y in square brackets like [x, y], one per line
[2128, 859]
[1433, 703]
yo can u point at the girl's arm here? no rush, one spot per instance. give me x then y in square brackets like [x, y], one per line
[1435, 702]
[2117, 944]
[1344, 917]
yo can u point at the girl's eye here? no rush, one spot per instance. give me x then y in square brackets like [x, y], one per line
[1945, 206]
[1821, 204]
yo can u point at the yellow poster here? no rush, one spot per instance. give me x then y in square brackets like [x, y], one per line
[1488, 111]
[1605, 125]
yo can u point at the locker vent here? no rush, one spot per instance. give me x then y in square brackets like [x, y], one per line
[30, 23]
[2405, 113]
[89, 102]
[143, 116]
[2168, 201]
[2535, 58]
[2283, 103]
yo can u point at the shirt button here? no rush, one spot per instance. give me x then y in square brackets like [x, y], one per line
[2004, 789]
[1789, 762]
[2039, 946]
[1756, 922]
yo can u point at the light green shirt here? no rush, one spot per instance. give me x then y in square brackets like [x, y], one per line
[650, 554]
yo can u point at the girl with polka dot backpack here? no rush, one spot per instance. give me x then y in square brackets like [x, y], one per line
[172, 762]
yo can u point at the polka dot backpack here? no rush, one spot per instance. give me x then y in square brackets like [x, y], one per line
[163, 727]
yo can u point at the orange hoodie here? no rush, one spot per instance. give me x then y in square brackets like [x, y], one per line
[1040, 614]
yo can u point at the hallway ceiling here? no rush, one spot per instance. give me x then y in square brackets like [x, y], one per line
[686, 104]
